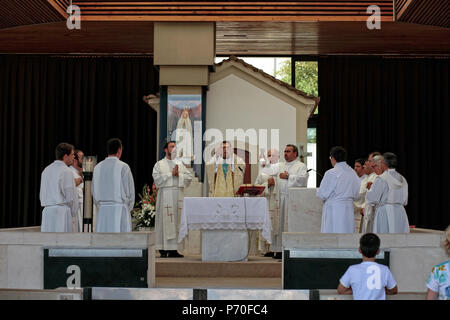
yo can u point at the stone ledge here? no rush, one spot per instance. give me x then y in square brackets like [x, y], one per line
[333, 240]
[116, 240]
[333, 295]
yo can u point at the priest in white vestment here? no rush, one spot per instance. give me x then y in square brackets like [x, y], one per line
[389, 195]
[77, 171]
[362, 208]
[170, 177]
[224, 172]
[267, 177]
[113, 191]
[58, 194]
[338, 189]
[367, 210]
[291, 174]
[360, 202]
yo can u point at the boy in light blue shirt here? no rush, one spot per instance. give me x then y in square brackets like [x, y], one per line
[368, 280]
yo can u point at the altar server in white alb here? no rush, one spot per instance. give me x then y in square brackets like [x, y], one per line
[389, 194]
[170, 177]
[338, 188]
[291, 174]
[113, 191]
[58, 193]
[267, 177]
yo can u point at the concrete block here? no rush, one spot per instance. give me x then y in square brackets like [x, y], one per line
[310, 240]
[25, 267]
[151, 238]
[350, 240]
[120, 240]
[393, 240]
[76, 239]
[424, 240]
[412, 266]
[151, 275]
[39, 238]
[304, 210]
[12, 237]
[3, 266]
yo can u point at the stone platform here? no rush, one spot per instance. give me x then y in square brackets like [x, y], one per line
[191, 271]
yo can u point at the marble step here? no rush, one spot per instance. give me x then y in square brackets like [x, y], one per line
[216, 282]
[192, 266]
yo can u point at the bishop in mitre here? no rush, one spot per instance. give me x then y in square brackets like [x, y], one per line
[170, 177]
[267, 177]
[224, 172]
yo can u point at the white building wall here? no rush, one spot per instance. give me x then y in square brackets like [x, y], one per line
[234, 103]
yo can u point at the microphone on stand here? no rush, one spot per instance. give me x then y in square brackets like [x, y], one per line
[315, 172]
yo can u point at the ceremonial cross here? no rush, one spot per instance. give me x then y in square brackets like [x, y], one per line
[169, 214]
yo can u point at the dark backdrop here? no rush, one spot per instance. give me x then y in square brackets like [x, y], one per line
[85, 101]
[399, 105]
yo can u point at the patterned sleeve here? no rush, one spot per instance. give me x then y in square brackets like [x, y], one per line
[433, 280]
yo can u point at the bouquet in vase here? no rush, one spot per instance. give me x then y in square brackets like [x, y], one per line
[144, 212]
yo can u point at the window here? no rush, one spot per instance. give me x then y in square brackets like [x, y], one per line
[306, 75]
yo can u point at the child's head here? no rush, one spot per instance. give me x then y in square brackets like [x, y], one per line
[369, 245]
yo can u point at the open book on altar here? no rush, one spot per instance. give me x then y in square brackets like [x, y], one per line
[250, 190]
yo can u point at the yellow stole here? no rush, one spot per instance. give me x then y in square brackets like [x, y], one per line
[224, 186]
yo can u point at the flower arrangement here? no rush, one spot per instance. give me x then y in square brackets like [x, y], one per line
[144, 212]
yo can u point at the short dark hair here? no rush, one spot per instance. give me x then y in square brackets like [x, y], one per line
[338, 153]
[113, 145]
[294, 148]
[167, 144]
[369, 244]
[361, 160]
[390, 159]
[63, 149]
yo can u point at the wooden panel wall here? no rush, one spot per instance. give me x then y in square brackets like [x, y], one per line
[429, 12]
[18, 13]
[334, 10]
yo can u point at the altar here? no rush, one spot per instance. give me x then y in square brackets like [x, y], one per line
[224, 223]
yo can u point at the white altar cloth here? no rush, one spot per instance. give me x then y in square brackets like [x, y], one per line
[201, 213]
